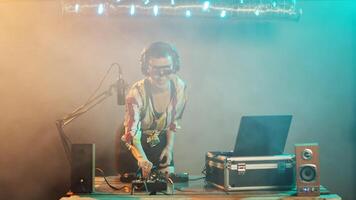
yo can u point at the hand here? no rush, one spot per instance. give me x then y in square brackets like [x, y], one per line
[146, 167]
[167, 152]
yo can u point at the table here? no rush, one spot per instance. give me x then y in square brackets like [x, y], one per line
[193, 190]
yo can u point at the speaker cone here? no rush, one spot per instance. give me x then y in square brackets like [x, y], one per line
[308, 173]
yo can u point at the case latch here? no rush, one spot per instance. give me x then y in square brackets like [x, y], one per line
[241, 168]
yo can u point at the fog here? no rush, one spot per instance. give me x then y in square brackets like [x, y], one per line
[50, 64]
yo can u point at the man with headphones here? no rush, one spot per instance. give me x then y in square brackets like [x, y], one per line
[154, 107]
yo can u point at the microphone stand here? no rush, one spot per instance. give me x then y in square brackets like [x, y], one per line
[90, 104]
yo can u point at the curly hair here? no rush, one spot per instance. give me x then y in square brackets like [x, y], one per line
[159, 50]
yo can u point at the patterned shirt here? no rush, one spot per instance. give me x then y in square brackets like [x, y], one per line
[140, 115]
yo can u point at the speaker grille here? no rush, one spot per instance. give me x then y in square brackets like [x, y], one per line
[308, 173]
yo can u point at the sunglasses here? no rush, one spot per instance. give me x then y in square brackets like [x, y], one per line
[161, 70]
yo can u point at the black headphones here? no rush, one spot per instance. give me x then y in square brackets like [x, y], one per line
[157, 50]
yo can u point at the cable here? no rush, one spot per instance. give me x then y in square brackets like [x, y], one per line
[92, 97]
[107, 182]
[196, 179]
[65, 141]
[145, 184]
[204, 170]
[102, 81]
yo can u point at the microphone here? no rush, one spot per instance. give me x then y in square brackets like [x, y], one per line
[120, 89]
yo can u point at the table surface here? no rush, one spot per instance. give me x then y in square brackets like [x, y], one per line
[194, 189]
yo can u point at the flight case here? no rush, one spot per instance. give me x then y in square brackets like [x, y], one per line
[232, 173]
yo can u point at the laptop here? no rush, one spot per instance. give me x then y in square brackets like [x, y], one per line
[262, 135]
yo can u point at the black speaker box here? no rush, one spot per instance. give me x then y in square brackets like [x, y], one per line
[82, 168]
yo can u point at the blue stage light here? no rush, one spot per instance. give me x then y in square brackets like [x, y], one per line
[223, 14]
[241, 1]
[173, 2]
[132, 10]
[147, 2]
[100, 9]
[188, 13]
[155, 10]
[206, 5]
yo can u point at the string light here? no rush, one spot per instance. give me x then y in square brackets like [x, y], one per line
[274, 4]
[76, 8]
[234, 9]
[101, 9]
[223, 14]
[132, 9]
[257, 12]
[188, 13]
[155, 10]
[206, 5]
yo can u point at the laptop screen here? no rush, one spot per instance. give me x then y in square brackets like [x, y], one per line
[262, 135]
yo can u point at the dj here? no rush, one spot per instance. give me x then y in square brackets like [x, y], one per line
[154, 107]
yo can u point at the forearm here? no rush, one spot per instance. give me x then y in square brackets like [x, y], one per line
[140, 156]
[138, 152]
[170, 139]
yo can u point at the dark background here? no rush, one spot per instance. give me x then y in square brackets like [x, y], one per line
[50, 64]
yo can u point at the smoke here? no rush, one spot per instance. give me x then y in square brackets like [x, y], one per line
[50, 64]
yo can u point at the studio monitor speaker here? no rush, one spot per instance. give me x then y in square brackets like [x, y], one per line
[82, 168]
[307, 169]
